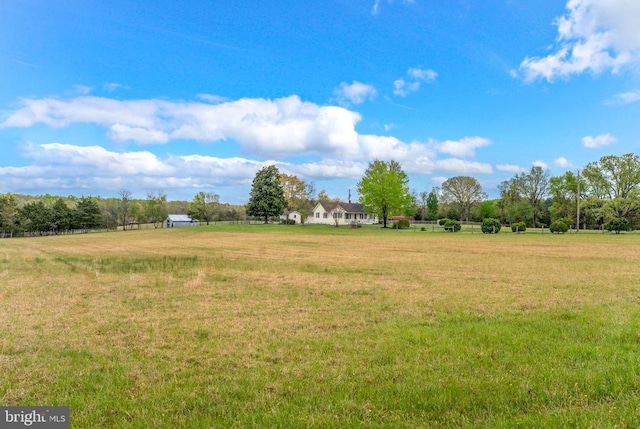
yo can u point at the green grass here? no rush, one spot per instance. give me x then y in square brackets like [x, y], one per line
[315, 326]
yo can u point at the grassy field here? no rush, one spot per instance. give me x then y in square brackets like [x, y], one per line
[314, 326]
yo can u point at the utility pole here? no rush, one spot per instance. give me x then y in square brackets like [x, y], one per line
[578, 204]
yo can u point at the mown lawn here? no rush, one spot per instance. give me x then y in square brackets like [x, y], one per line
[315, 326]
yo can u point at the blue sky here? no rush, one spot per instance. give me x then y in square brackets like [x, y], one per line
[98, 96]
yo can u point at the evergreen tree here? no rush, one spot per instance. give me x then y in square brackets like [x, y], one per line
[267, 196]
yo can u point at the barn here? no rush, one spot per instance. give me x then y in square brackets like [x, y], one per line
[178, 220]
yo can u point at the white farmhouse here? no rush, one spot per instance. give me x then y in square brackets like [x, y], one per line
[341, 214]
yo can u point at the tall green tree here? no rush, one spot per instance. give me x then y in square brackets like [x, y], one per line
[384, 189]
[62, 216]
[204, 206]
[563, 191]
[87, 214]
[297, 193]
[433, 209]
[36, 217]
[533, 187]
[462, 193]
[155, 208]
[8, 213]
[613, 176]
[267, 196]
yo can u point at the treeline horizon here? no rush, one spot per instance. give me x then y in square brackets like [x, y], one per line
[602, 191]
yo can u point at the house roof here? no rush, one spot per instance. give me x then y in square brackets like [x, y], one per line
[180, 218]
[347, 207]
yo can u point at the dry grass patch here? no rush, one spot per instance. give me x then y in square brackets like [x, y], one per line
[273, 326]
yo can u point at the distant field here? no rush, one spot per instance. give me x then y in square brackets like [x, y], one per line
[314, 326]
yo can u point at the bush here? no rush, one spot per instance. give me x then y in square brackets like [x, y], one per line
[442, 221]
[354, 224]
[490, 226]
[518, 227]
[559, 227]
[568, 221]
[402, 223]
[617, 224]
[288, 222]
[452, 225]
[423, 228]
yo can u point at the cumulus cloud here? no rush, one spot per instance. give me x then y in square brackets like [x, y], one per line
[510, 168]
[354, 93]
[464, 148]
[540, 164]
[594, 36]
[563, 163]
[598, 141]
[416, 76]
[280, 127]
[262, 129]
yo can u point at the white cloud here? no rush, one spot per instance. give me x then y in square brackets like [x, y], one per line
[438, 180]
[595, 36]
[424, 75]
[82, 89]
[627, 97]
[540, 164]
[598, 141]
[376, 5]
[563, 163]
[281, 127]
[464, 148]
[354, 93]
[212, 98]
[120, 132]
[461, 167]
[415, 77]
[266, 129]
[510, 168]
[113, 86]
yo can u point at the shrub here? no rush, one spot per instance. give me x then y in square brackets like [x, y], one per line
[288, 221]
[402, 223]
[490, 226]
[617, 224]
[559, 227]
[452, 225]
[423, 228]
[567, 220]
[442, 221]
[519, 227]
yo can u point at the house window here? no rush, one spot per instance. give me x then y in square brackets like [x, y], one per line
[347, 216]
[317, 215]
[325, 215]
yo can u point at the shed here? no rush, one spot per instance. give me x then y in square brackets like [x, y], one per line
[178, 220]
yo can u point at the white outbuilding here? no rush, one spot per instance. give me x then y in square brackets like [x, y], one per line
[178, 220]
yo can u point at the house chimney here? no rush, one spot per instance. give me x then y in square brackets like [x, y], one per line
[349, 200]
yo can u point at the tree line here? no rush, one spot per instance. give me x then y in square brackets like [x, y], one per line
[605, 191]
[47, 214]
